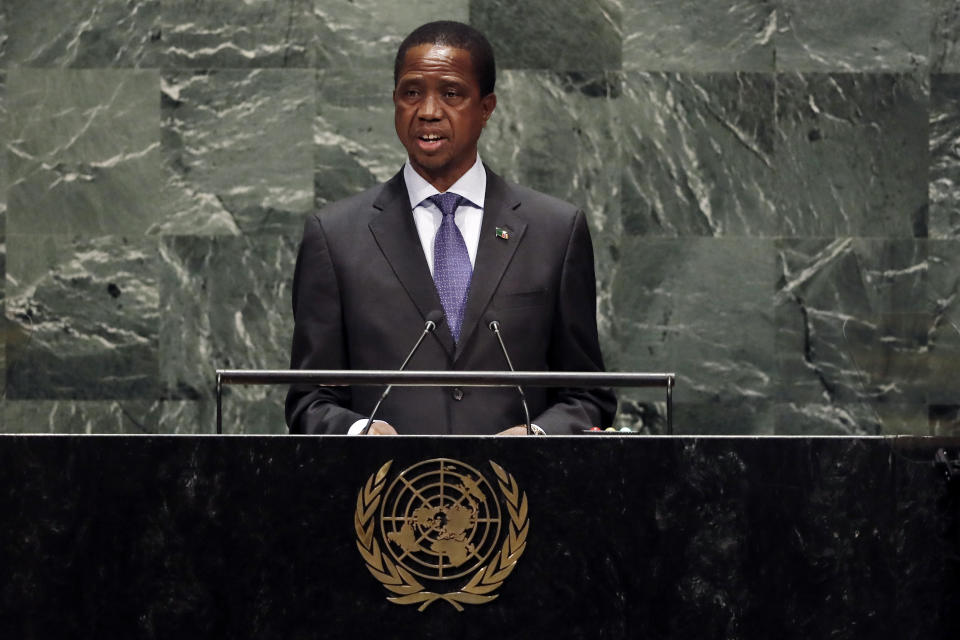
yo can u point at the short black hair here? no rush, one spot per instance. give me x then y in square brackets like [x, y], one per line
[459, 36]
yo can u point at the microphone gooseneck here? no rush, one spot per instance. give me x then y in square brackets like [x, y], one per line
[495, 328]
[428, 327]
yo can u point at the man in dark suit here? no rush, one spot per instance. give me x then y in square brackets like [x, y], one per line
[445, 238]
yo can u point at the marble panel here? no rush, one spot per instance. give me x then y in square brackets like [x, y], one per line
[82, 33]
[699, 35]
[83, 151]
[850, 418]
[262, 415]
[843, 552]
[748, 416]
[84, 416]
[4, 36]
[562, 35]
[559, 133]
[797, 528]
[944, 190]
[225, 303]
[945, 39]
[819, 419]
[83, 316]
[226, 34]
[355, 143]
[944, 331]
[698, 155]
[699, 307]
[852, 318]
[927, 567]
[646, 415]
[839, 35]
[365, 34]
[238, 151]
[145, 416]
[3, 228]
[945, 420]
[4, 132]
[851, 155]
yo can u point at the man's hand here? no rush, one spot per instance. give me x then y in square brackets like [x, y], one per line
[519, 430]
[381, 428]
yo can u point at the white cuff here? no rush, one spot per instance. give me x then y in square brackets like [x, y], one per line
[357, 427]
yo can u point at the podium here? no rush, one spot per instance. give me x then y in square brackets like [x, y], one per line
[628, 537]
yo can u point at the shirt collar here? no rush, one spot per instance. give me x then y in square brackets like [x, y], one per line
[472, 185]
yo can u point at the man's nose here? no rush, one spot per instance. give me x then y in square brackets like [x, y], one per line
[429, 108]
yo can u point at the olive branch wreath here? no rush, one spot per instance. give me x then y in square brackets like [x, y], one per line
[481, 586]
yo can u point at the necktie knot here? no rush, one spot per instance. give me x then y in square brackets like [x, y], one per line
[447, 202]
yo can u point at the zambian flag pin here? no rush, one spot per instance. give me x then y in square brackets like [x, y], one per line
[502, 233]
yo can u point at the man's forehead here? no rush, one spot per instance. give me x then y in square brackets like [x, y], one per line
[437, 57]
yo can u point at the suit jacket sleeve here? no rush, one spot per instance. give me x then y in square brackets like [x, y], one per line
[318, 339]
[574, 344]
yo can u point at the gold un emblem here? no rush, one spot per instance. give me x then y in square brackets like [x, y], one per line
[439, 521]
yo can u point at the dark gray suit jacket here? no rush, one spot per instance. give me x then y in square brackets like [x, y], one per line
[362, 290]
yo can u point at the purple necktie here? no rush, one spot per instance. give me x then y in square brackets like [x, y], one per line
[451, 262]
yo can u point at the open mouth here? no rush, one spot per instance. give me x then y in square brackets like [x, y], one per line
[429, 141]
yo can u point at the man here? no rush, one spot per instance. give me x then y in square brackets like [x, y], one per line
[445, 238]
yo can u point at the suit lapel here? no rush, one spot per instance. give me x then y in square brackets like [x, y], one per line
[396, 235]
[493, 252]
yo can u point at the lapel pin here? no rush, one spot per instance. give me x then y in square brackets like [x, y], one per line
[502, 233]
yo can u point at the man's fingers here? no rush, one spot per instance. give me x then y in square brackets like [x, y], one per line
[381, 428]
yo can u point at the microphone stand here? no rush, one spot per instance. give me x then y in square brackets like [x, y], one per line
[531, 430]
[428, 327]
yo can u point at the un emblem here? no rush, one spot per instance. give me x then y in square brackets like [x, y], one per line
[439, 521]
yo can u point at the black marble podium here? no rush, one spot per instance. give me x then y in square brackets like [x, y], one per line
[630, 537]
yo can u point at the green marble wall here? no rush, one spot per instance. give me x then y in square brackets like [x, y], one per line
[773, 187]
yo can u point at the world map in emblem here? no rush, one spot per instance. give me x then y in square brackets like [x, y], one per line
[440, 519]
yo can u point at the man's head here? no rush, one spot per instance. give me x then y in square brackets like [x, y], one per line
[443, 95]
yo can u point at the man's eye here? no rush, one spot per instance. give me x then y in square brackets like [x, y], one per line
[451, 93]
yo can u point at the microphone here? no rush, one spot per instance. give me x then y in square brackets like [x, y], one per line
[494, 326]
[429, 326]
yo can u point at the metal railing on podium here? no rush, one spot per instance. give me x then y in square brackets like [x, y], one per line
[343, 378]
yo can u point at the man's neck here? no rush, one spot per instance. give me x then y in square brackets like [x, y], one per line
[441, 183]
[471, 185]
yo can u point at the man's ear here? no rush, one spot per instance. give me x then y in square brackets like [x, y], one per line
[487, 104]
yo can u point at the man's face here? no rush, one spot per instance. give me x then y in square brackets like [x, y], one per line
[439, 112]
